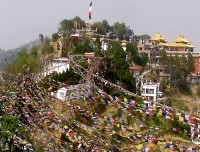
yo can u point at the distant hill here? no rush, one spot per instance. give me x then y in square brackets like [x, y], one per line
[8, 55]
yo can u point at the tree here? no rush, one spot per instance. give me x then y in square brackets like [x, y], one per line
[46, 48]
[84, 47]
[8, 126]
[179, 68]
[123, 31]
[41, 36]
[143, 37]
[132, 49]
[97, 44]
[117, 67]
[119, 29]
[21, 63]
[54, 37]
[141, 59]
[144, 59]
[106, 26]
[69, 77]
[190, 63]
[66, 27]
[101, 29]
[80, 23]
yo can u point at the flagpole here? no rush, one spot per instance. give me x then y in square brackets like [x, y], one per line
[90, 13]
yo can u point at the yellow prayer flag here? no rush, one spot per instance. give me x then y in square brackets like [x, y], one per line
[181, 119]
[139, 146]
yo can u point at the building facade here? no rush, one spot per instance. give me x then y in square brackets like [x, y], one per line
[59, 65]
[150, 91]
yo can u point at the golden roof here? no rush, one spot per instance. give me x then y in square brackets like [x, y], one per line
[181, 45]
[157, 37]
[181, 39]
[124, 41]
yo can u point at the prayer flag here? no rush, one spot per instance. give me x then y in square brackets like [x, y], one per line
[90, 11]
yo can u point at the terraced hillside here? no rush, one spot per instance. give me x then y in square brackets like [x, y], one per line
[90, 120]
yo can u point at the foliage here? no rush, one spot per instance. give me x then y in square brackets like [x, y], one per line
[66, 27]
[132, 49]
[117, 70]
[168, 102]
[34, 52]
[68, 77]
[141, 59]
[144, 38]
[97, 44]
[139, 100]
[122, 30]
[179, 67]
[157, 120]
[164, 84]
[180, 125]
[46, 48]
[8, 126]
[54, 37]
[23, 62]
[84, 47]
[198, 90]
[144, 59]
[100, 28]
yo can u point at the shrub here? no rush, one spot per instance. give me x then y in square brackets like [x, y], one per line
[157, 120]
[198, 90]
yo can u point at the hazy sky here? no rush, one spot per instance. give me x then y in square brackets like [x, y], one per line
[23, 20]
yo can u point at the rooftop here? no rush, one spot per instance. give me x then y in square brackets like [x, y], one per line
[158, 37]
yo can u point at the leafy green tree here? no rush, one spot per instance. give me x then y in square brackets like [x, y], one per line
[66, 27]
[117, 67]
[144, 59]
[55, 37]
[21, 63]
[106, 26]
[97, 44]
[8, 126]
[101, 29]
[141, 59]
[132, 49]
[46, 48]
[84, 47]
[198, 90]
[69, 77]
[123, 31]
[79, 21]
[144, 38]
[41, 36]
[34, 52]
[190, 63]
[119, 29]
[179, 67]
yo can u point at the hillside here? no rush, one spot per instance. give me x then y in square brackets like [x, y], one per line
[8, 55]
[90, 121]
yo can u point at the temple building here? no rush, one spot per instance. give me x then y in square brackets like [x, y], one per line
[157, 42]
[181, 44]
[153, 46]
